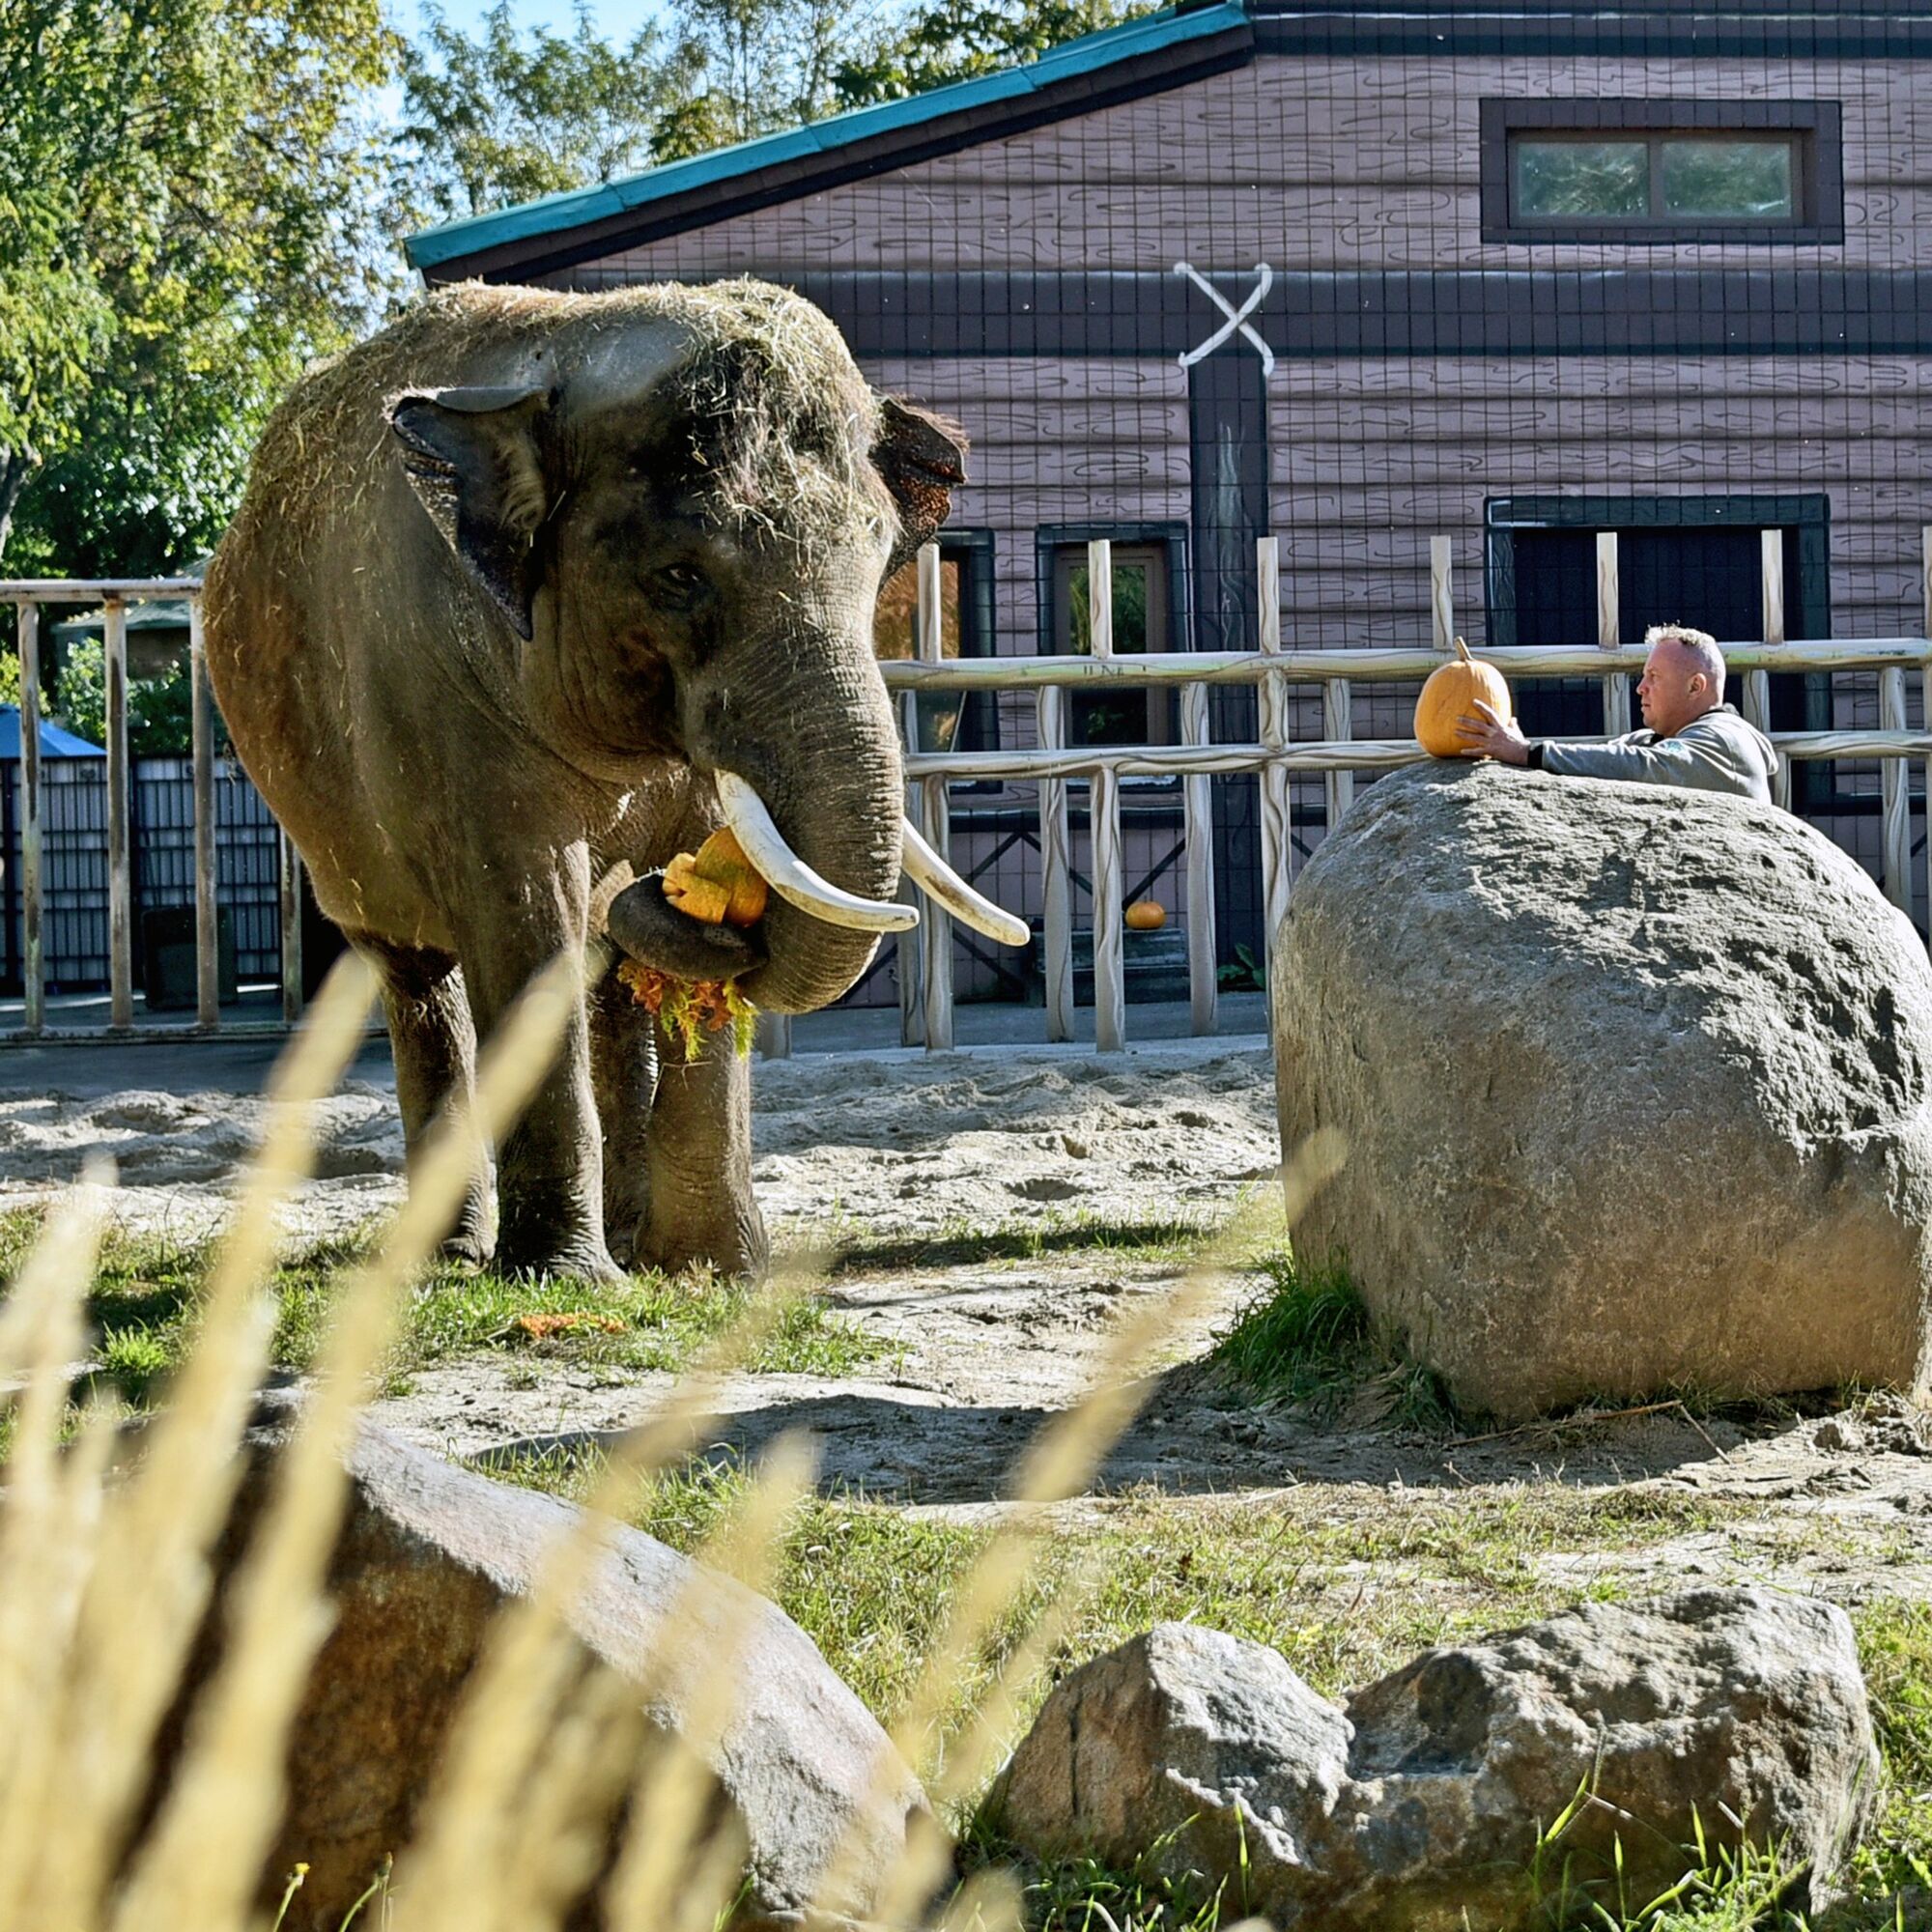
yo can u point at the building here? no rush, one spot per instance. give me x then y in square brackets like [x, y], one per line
[1353, 276]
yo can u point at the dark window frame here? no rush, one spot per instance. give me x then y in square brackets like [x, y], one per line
[1815, 128]
[978, 729]
[1050, 540]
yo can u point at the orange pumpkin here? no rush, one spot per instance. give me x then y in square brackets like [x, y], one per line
[1147, 916]
[718, 884]
[1450, 693]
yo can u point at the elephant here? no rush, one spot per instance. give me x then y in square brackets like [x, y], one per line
[534, 586]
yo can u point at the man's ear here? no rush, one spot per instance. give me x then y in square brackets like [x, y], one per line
[922, 459]
[474, 462]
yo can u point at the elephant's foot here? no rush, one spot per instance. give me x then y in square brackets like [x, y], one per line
[733, 1244]
[473, 1250]
[472, 1239]
[545, 1233]
[574, 1261]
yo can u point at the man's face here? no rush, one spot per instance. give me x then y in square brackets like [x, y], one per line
[1671, 691]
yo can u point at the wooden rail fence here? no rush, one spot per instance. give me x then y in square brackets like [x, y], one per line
[1338, 755]
[927, 1012]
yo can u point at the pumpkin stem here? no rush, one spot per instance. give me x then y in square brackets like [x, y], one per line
[1463, 651]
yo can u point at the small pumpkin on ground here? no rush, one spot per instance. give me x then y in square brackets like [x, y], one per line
[717, 885]
[1147, 916]
[1450, 693]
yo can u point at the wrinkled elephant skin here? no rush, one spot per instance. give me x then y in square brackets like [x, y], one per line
[513, 583]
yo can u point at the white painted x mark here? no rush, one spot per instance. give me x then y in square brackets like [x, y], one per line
[1237, 318]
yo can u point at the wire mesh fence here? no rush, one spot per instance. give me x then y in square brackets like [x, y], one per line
[1354, 278]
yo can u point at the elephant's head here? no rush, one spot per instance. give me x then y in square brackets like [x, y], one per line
[684, 515]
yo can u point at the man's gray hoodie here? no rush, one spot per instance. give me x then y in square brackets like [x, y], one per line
[1718, 752]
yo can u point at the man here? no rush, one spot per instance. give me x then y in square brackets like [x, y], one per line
[1693, 737]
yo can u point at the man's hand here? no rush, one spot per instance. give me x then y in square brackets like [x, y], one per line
[1491, 737]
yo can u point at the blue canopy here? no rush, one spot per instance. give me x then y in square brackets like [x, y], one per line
[54, 742]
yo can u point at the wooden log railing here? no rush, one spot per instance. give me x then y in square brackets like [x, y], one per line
[1052, 765]
[1275, 757]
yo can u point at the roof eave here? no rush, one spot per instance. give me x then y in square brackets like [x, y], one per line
[545, 235]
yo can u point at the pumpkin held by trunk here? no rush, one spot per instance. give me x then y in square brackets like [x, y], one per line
[718, 884]
[1450, 693]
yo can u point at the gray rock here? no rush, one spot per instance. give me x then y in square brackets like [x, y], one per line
[428, 1556]
[1634, 1086]
[1427, 1796]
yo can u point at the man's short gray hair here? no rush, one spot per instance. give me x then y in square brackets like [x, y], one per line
[1699, 647]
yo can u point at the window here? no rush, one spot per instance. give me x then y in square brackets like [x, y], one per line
[1571, 179]
[949, 720]
[1661, 171]
[1126, 716]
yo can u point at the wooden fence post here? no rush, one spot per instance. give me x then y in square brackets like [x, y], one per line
[1056, 872]
[1442, 599]
[1103, 811]
[1925, 704]
[1610, 634]
[1896, 812]
[1338, 724]
[207, 919]
[31, 805]
[908, 948]
[120, 878]
[1197, 808]
[291, 871]
[1758, 683]
[1277, 808]
[935, 927]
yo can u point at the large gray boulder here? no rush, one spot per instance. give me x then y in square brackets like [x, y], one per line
[1633, 1083]
[1426, 1797]
[429, 1555]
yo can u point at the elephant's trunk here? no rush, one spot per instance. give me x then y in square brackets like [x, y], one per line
[834, 791]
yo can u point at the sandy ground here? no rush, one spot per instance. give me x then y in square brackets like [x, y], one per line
[983, 1346]
[894, 1143]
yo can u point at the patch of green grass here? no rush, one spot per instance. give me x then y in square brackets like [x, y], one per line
[148, 1289]
[1345, 1586]
[135, 1359]
[870, 1584]
[1307, 1337]
[1895, 1648]
[965, 1243]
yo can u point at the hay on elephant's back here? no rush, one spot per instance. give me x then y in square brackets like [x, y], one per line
[780, 416]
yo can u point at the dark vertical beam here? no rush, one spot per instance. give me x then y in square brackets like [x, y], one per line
[1228, 440]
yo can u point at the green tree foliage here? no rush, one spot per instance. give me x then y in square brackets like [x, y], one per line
[187, 206]
[503, 118]
[159, 709]
[760, 66]
[934, 45]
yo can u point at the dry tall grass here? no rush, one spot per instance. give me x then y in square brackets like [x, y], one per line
[106, 1578]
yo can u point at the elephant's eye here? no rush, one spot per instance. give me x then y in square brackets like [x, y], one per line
[678, 584]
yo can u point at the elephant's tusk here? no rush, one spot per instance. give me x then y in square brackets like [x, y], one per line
[933, 876]
[790, 877]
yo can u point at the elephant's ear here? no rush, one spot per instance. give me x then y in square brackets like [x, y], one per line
[922, 459]
[473, 459]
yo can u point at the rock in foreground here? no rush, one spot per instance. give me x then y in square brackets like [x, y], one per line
[429, 1555]
[1425, 1797]
[1634, 1084]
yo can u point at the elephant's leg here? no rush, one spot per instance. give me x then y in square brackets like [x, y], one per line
[697, 1162]
[434, 1047]
[623, 1070]
[550, 1166]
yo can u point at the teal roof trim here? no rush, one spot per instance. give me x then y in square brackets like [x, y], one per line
[555, 213]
